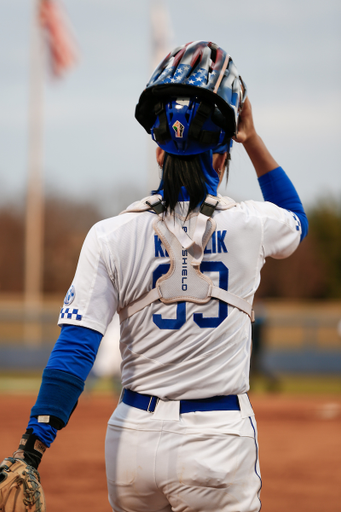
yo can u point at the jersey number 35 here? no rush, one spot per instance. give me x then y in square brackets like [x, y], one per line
[199, 319]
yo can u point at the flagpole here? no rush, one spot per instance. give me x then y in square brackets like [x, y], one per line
[35, 196]
[160, 45]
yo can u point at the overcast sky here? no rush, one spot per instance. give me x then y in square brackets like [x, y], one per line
[287, 51]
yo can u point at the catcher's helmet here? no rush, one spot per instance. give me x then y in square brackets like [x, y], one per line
[193, 100]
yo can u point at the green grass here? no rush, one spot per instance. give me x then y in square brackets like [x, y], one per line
[27, 382]
[298, 384]
[19, 383]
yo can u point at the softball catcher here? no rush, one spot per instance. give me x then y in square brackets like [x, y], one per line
[181, 268]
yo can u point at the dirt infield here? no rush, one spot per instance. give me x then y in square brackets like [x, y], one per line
[300, 452]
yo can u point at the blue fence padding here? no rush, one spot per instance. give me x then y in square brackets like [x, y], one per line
[19, 357]
[305, 361]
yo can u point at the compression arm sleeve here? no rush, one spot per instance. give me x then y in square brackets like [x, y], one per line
[278, 189]
[63, 378]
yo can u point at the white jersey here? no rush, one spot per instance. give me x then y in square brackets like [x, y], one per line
[182, 350]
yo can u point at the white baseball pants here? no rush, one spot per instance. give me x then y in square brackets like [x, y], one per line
[193, 462]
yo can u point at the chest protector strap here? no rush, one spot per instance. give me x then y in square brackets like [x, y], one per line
[184, 281]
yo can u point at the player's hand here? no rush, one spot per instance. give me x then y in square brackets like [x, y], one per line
[246, 127]
[262, 160]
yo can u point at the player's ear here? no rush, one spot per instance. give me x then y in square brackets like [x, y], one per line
[219, 160]
[219, 164]
[160, 156]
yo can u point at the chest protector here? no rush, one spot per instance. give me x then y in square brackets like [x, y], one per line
[184, 281]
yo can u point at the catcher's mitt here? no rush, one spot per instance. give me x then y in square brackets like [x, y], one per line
[20, 488]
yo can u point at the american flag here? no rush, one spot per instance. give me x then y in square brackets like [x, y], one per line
[61, 47]
[198, 78]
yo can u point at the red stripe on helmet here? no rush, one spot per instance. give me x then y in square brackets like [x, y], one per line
[220, 59]
[178, 57]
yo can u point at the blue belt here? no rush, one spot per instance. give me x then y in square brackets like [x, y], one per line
[149, 402]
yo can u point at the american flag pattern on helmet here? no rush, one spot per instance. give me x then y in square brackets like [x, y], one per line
[198, 69]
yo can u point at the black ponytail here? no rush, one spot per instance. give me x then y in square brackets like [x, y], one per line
[184, 171]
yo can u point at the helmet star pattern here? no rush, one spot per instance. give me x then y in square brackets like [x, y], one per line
[205, 74]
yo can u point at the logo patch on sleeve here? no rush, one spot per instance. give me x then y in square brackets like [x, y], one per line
[70, 314]
[70, 296]
[298, 222]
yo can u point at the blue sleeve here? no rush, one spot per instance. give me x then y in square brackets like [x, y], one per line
[278, 189]
[63, 379]
[75, 351]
